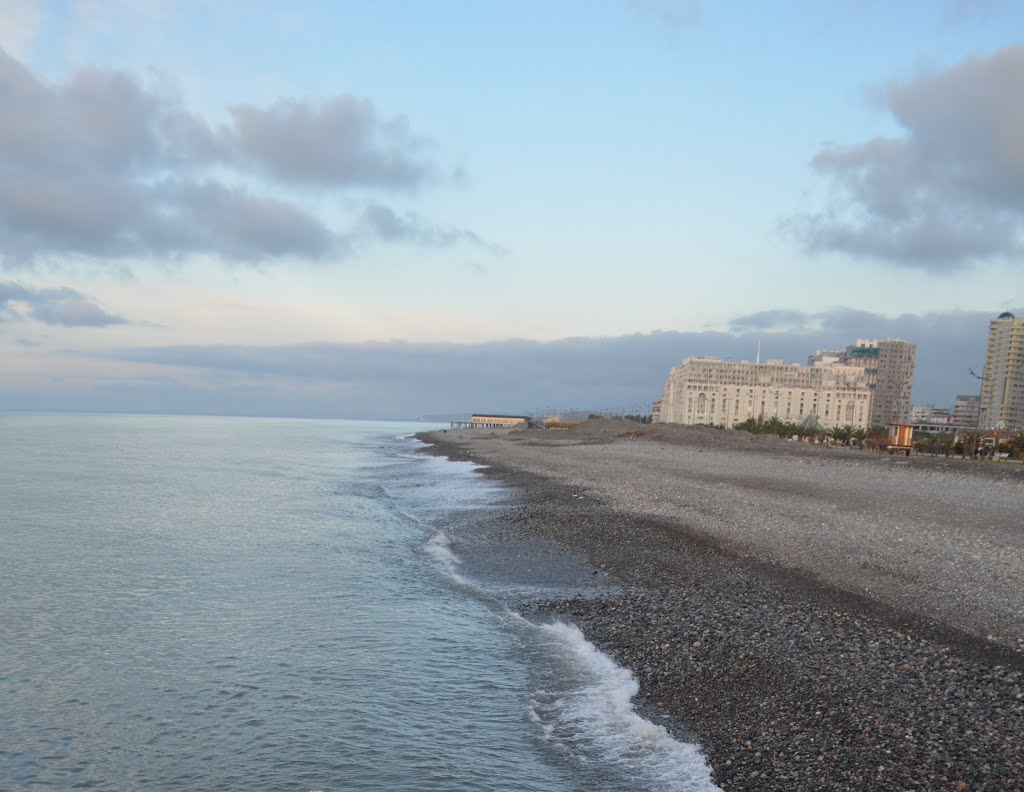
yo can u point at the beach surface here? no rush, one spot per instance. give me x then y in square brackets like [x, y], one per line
[817, 618]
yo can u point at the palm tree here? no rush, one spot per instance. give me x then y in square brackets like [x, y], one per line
[749, 425]
[969, 442]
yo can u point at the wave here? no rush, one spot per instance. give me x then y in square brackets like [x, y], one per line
[581, 702]
[595, 716]
[439, 547]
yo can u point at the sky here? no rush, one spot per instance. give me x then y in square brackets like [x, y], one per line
[395, 209]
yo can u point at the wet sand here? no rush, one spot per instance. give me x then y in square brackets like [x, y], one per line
[817, 618]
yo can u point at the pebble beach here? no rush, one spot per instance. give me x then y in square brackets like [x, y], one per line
[815, 618]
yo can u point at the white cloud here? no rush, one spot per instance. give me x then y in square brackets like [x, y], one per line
[19, 22]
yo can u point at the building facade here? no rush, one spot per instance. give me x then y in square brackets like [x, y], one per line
[866, 384]
[708, 390]
[929, 414]
[1002, 387]
[890, 366]
[966, 408]
[491, 420]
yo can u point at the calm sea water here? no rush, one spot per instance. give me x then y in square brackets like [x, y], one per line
[256, 604]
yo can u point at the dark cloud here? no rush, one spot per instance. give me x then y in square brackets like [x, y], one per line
[408, 379]
[948, 343]
[53, 306]
[100, 165]
[946, 194]
[770, 320]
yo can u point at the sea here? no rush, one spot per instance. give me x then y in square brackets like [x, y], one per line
[211, 603]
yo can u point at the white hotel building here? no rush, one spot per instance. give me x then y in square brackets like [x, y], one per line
[708, 390]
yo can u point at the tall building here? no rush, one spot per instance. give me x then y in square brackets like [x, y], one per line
[1002, 387]
[889, 365]
[965, 411]
[708, 390]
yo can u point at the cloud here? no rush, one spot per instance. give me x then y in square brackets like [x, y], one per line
[961, 11]
[384, 223]
[209, 216]
[101, 165]
[19, 23]
[672, 15]
[772, 320]
[339, 142]
[402, 378]
[946, 194]
[53, 306]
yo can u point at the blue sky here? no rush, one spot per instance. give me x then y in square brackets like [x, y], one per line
[396, 208]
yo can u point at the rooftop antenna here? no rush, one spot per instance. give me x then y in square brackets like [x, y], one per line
[758, 352]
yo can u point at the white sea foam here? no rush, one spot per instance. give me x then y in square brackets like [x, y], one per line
[594, 717]
[583, 709]
[439, 547]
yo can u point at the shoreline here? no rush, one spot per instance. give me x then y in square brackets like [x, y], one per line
[786, 679]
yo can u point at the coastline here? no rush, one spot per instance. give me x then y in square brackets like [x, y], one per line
[794, 668]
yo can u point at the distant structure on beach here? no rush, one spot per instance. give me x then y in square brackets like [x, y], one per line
[1002, 385]
[866, 384]
[491, 421]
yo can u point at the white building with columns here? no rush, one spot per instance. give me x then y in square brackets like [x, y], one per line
[709, 390]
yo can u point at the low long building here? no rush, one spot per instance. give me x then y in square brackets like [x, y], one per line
[491, 420]
[709, 390]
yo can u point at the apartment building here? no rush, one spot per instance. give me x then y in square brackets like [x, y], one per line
[1002, 387]
[966, 409]
[889, 366]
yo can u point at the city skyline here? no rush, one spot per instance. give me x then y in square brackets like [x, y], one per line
[391, 210]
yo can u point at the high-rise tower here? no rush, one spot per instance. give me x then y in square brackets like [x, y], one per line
[890, 367]
[1002, 387]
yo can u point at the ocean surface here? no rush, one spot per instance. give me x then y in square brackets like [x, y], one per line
[193, 603]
